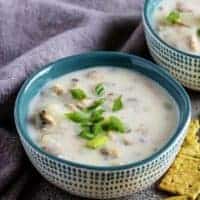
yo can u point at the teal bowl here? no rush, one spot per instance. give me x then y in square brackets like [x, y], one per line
[184, 66]
[102, 182]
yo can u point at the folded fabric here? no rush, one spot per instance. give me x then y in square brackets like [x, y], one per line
[34, 33]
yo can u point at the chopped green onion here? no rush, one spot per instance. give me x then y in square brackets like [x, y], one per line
[113, 123]
[97, 115]
[78, 94]
[86, 135]
[97, 142]
[99, 89]
[91, 131]
[78, 117]
[96, 104]
[117, 105]
[93, 125]
[97, 129]
[116, 124]
[86, 125]
[174, 17]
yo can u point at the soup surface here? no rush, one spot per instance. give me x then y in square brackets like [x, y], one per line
[102, 116]
[178, 23]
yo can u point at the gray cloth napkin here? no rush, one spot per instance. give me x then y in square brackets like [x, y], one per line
[36, 32]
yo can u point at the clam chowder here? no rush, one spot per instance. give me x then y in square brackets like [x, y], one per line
[177, 22]
[102, 116]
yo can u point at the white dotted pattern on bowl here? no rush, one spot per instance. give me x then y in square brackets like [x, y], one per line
[100, 184]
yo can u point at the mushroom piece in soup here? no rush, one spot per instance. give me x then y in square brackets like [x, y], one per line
[107, 116]
[177, 23]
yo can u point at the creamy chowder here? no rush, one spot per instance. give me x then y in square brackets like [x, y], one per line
[177, 22]
[102, 116]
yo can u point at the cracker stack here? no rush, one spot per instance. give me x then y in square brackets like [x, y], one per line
[183, 177]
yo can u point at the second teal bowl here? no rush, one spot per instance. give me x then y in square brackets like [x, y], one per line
[185, 67]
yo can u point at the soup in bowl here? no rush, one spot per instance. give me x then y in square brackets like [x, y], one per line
[111, 120]
[103, 116]
[177, 23]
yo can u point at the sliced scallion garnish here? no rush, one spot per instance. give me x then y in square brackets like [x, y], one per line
[174, 17]
[117, 105]
[78, 94]
[99, 89]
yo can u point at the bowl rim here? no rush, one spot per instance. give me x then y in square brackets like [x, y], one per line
[147, 22]
[177, 132]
